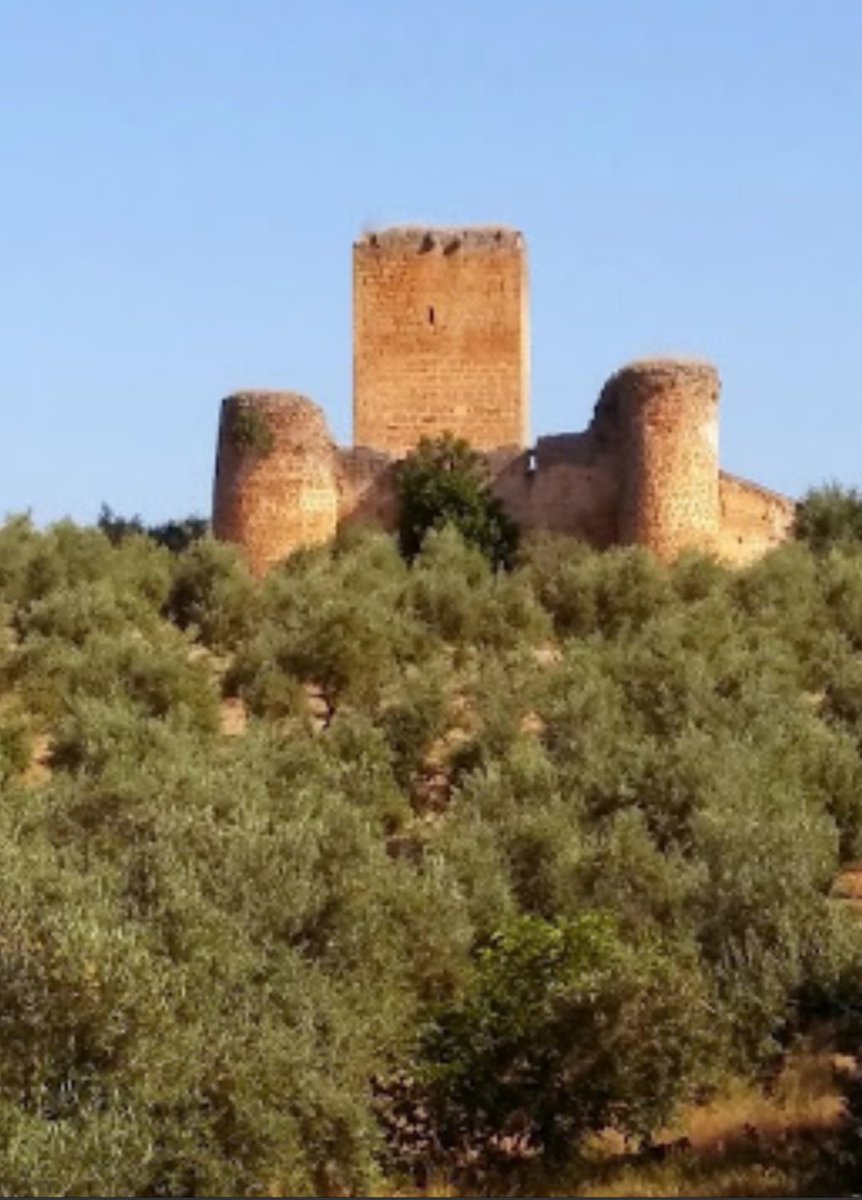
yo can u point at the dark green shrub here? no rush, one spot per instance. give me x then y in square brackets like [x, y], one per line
[331, 617]
[770, 854]
[72, 614]
[562, 574]
[830, 516]
[697, 576]
[415, 718]
[566, 1030]
[174, 535]
[16, 744]
[250, 432]
[179, 535]
[614, 593]
[624, 869]
[363, 765]
[34, 564]
[448, 578]
[19, 545]
[153, 675]
[631, 587]
[841, 590]
[207, 952]
[259, 679]
[117, 528]
[445, 482]
[213, 594]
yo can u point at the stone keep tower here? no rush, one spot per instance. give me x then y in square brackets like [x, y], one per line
[275, 484]
[667, 411]
[440, 338]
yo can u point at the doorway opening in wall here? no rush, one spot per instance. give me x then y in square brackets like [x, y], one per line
[431, 314]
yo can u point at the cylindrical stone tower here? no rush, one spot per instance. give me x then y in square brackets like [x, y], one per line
[275, 482]
[668, 421]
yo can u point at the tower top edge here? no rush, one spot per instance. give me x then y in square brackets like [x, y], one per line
[423, 239]
[670, 364]
[268, 396]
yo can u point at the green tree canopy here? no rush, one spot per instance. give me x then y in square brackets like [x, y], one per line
[445, 482]
[830, 516]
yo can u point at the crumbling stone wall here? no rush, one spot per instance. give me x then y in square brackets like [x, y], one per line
[753, 520]
[275, 484]
[367, 489]
[440, 338]
[645, 471]
[568, 483]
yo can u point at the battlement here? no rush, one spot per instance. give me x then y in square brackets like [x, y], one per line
[441, 345]
[422, 239]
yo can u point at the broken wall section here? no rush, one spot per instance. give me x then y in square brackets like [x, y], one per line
[754, 520]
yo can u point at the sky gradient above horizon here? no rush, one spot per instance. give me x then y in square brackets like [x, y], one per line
[183, 180]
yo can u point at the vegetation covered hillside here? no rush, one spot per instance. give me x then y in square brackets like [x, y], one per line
[378, 872]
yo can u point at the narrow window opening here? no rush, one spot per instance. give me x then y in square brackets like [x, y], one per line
[431, 314]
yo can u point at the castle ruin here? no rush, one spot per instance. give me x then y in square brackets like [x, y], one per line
[441, 344]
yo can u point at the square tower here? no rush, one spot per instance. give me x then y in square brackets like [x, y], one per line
[440, 338]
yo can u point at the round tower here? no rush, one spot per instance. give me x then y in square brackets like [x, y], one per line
[667, 411]
[275, 483]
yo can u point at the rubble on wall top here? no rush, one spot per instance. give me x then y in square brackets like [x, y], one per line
[686, 372]
[265, 397]
[283, 408]
[425, 239]
[669, 365]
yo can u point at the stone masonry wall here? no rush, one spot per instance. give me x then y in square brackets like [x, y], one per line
[568, 484]
[272, 498]
[753, 520]
[668, 420]
[440, 335]
[654, 418]
[367, 491]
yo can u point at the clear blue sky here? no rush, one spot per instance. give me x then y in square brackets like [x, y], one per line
[182, 181]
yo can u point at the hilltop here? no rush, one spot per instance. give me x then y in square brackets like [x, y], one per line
[375, 874]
